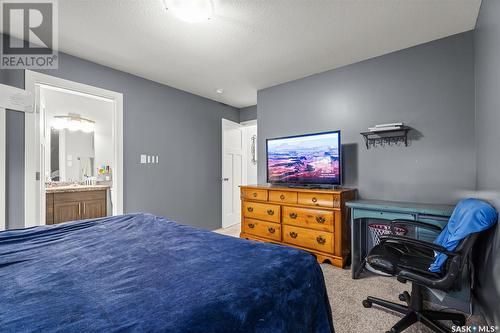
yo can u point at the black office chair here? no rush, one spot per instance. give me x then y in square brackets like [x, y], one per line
[409, 259]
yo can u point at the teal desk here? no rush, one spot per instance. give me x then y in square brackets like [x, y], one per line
[364, 212]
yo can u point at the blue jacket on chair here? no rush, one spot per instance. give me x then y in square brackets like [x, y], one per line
[469, 216]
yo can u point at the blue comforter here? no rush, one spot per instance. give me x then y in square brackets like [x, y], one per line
[143, 273]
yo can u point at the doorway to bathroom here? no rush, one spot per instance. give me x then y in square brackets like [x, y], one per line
[73, 151]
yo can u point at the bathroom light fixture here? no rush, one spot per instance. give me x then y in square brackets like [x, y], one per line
[74, 122]
[191, 11]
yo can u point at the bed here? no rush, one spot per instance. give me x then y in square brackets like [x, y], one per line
[143, 273]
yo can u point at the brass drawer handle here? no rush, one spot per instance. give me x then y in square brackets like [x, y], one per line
[320, 219]
[251, 225]
[255, 194]
[250, 209]
[320, 240]
[282, 197]
[293, 216]
[314, 199]
[293, 234]
[271, 230]
[270, 212]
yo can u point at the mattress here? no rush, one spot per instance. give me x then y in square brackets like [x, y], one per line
[144, 273]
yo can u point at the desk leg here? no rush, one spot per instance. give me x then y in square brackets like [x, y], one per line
[355, 243]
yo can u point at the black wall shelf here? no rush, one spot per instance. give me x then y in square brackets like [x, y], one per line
[387, 137]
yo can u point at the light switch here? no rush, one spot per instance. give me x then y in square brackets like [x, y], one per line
[157, 159]
[149, 158]
[143, 158]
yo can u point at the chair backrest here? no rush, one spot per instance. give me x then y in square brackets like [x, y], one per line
[455, 265]
[469, 216]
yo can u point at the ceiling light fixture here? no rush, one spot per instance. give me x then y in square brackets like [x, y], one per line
[74, 122]
[219, 91]
[191, 11]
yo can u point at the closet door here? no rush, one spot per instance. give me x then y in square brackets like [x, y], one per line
[3, 142]
[11, 99]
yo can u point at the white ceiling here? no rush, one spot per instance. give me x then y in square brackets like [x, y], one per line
[251, 44]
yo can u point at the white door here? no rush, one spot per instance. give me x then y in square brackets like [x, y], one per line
[232, 171]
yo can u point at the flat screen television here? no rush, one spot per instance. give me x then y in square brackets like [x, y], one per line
[311, 159]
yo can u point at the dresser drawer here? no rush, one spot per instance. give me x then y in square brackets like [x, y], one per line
[316, 199]
[283, 197]
[261, 211]
[312, 239]
[262, 229]
[309, 218]
[254, 194]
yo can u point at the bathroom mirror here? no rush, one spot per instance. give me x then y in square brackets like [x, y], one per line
[72, 155]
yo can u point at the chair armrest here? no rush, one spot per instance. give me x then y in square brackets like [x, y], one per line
[416, 224]
[417, 243]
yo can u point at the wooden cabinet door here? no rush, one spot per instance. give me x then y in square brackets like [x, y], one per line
[66, 211]
[94, 208]
[49, 208]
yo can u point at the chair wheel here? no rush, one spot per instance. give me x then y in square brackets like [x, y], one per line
[405, 297]
[367, 304]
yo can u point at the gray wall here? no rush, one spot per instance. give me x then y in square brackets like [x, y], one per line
[430, 87]
[487, 60]
[248, 113]
[184, 129]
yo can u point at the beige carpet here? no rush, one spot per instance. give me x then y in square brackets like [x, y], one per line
[346, 294]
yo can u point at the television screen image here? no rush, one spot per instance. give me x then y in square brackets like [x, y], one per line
[306, 159]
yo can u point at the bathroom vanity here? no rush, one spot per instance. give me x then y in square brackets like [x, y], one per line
[75, 202]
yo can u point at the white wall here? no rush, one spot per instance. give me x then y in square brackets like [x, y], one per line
[78, 147]
[251, 169]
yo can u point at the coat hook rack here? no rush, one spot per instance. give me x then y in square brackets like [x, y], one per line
[387, 137]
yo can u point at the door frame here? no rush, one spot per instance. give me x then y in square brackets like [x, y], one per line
[34, 163]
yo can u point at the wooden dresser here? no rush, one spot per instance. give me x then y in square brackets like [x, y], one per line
[63, 204]
[315, 220]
